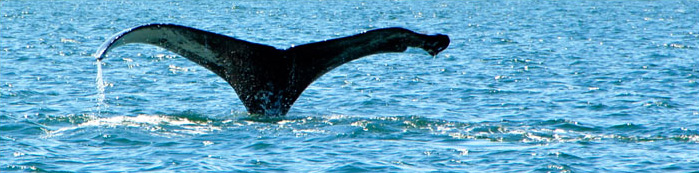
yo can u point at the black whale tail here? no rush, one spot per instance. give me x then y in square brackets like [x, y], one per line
[266, 79]
[436, 44]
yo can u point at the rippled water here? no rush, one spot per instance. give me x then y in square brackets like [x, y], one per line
[525, 86]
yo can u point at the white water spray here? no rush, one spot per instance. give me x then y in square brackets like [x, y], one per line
[100, 89]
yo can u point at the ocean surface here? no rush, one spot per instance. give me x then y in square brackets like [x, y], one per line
[525, 86]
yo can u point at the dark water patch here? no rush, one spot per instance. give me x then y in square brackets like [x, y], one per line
[154, 168]
[660, 104]
[11, 127]
[487, 129]
[638, 139]
[115, 140]
[554, 168]
[503, 41]
[574, 126]
[261, 145]
[627, 127]
[591, 105]
[64, 120]
[350, 167]
[166, 144]
[562, 155]
[193, 117]
[23, 128]
[568, 125]
[128, 100]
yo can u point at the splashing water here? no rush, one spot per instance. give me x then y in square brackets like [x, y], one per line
[100, 89]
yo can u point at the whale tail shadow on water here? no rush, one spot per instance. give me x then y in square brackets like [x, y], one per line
[268, 80]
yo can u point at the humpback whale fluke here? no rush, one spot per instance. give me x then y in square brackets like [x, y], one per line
[268, 80]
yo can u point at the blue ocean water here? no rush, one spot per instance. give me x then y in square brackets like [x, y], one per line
[535, 86]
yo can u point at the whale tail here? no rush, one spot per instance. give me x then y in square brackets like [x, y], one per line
[269, 80]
